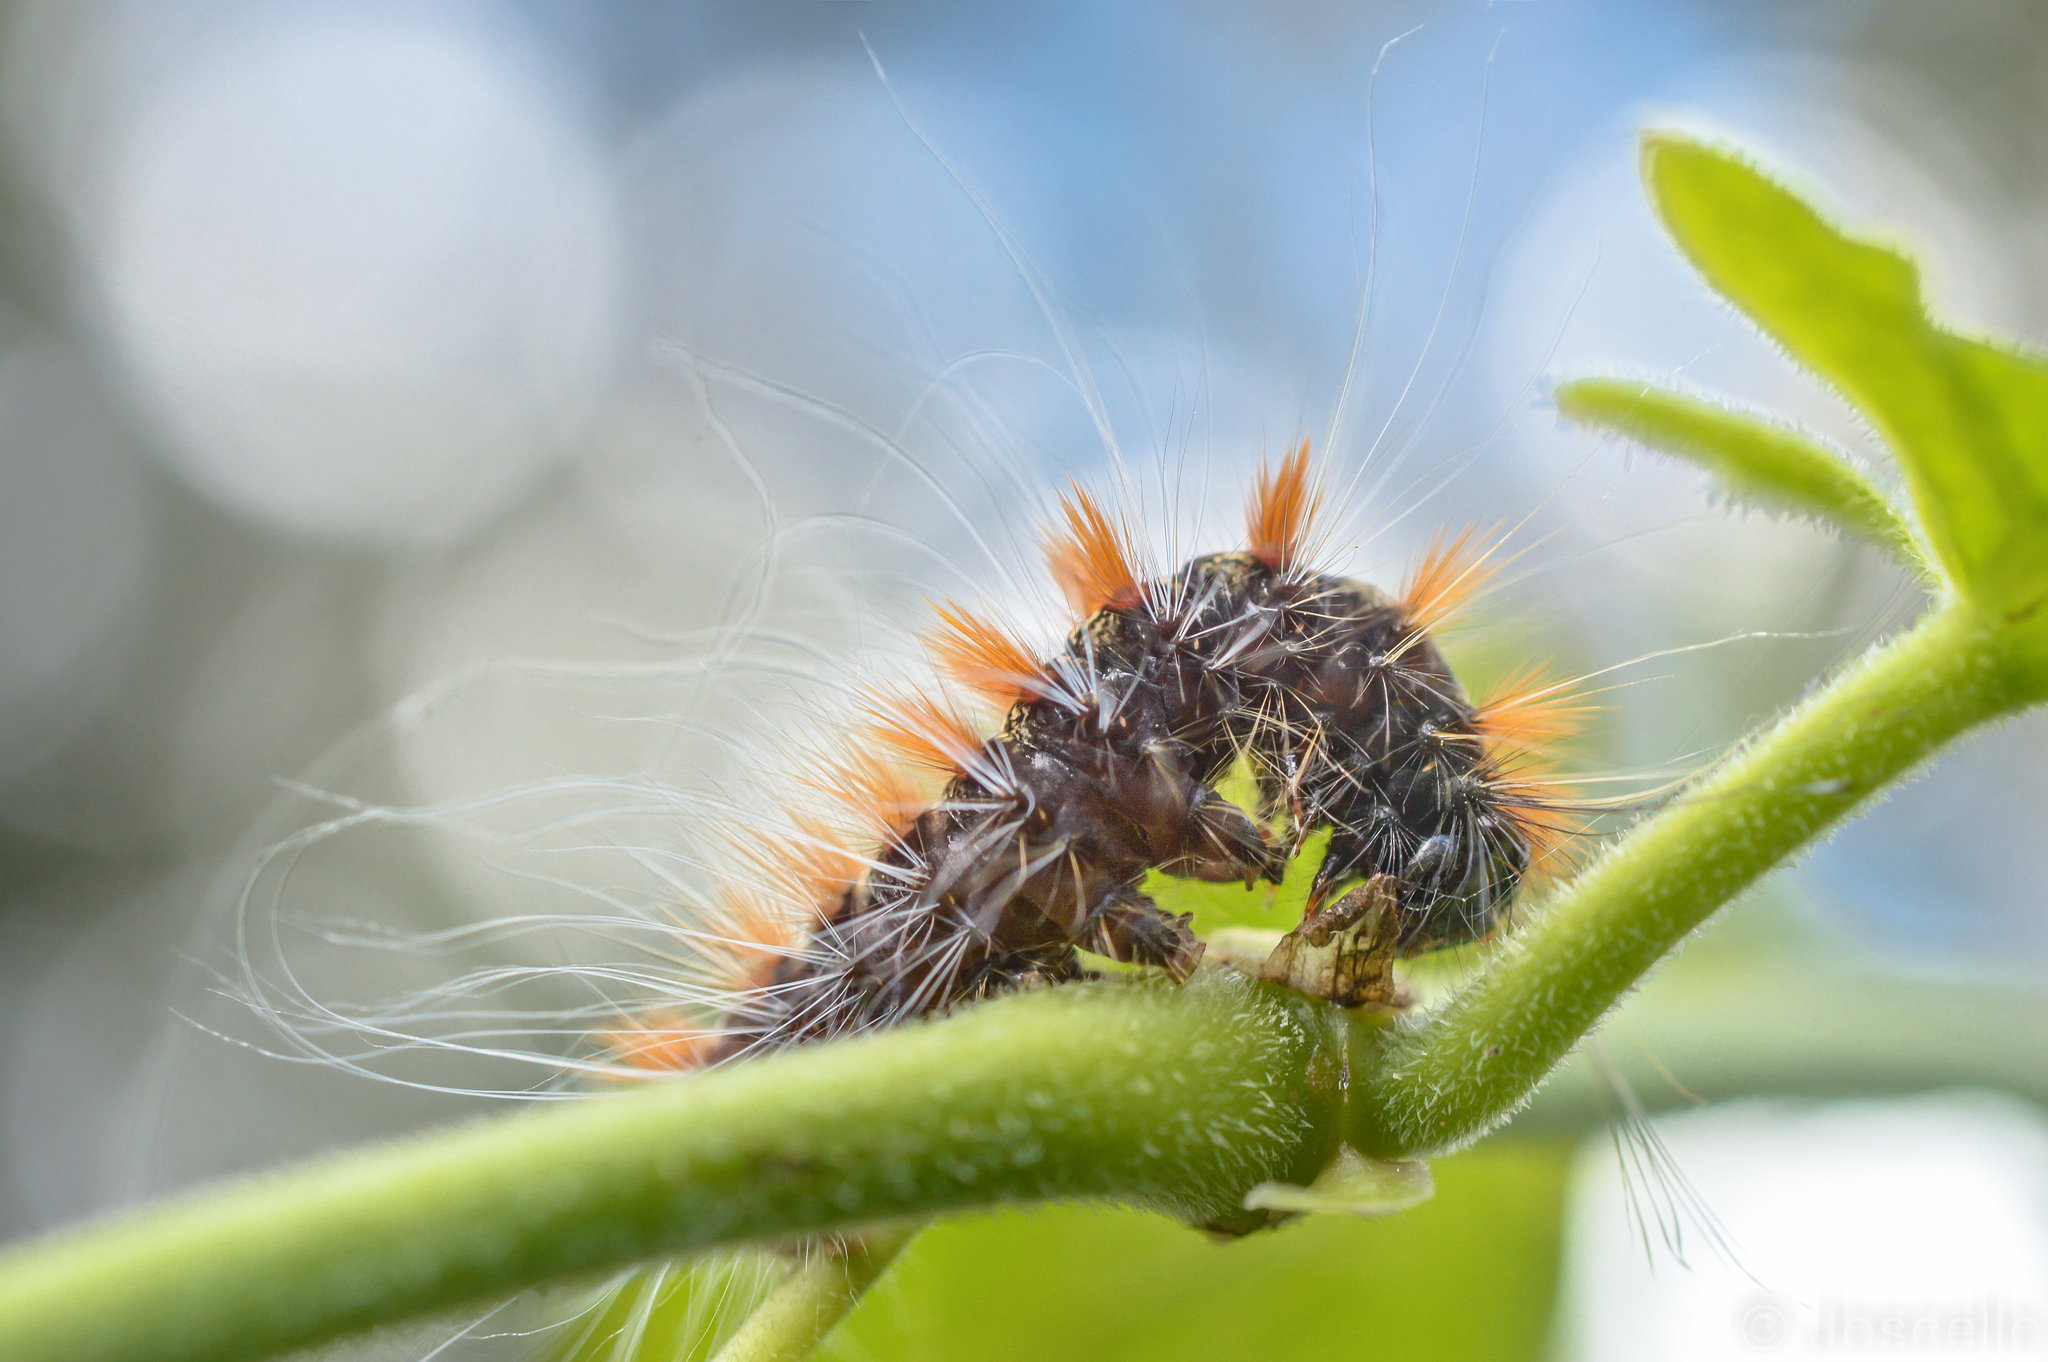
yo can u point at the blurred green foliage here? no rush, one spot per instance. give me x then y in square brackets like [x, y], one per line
[1123, 1286]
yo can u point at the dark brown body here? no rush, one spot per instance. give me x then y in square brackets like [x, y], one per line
[1347, 713]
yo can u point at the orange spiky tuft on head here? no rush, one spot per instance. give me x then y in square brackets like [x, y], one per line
[925, 731]
[985, 657]
[1527, 714]
[1282, 512]
[1449, 575]
[1090, 556]
[1521, 723]
[1545, 819]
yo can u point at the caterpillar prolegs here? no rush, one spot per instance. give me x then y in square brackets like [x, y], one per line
[1106, 766]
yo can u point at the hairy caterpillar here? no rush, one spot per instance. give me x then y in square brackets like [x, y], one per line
[1106, 767]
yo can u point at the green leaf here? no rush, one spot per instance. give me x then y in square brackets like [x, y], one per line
[1273, 907]
[1353, 1185]
[1277, 907]
[1968, 419]
[1754, 459]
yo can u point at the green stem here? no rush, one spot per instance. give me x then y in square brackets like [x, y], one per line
[1446, 1082]
[810, 1302]
[1178, 1099]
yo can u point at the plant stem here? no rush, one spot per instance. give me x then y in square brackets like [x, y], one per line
[810, 1302]
[1176, 1098]
[1446, 1082]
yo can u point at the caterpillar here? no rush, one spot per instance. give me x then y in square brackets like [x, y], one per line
[1105, 767]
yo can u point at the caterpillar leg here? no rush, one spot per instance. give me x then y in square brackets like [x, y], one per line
[1224, 843]
[1345, 952]
[1133, 929]
[1373, 905]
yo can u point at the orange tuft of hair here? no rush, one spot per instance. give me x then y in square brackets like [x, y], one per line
[659, 1043]
[925, 731]
[985, 657]
[1090, 556]
[1527, 714]
[1545, 819]
[1449, 575]
[876, 794]
[1282, 512]
[814, 867]
[752, 936]
[1524, 718]
[821, 862]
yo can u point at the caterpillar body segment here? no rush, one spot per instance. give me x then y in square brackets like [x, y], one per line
[1106, 763]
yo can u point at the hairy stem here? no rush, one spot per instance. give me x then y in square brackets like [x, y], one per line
[1462, 1071]
[1180, 1099]
[808, 1305]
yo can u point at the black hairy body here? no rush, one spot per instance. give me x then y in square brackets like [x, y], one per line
[1347, 713]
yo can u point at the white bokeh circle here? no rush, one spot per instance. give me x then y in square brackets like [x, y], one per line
[363, 271]
[77, 532]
